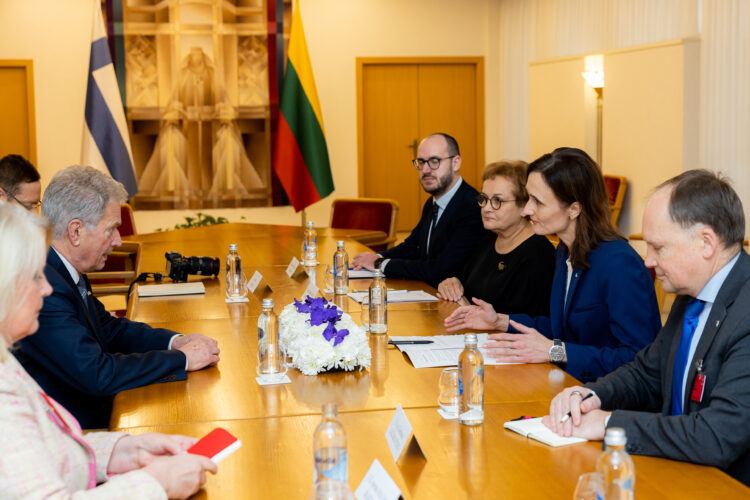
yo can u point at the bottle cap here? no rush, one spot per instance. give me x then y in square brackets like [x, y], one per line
[233, 246]
[615, 436]
[267, 303]
[340, 243]
[378, 273]
[470, 338]
[330, 409]
[310, 223]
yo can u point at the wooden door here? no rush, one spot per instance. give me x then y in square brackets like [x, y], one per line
[17, 119]
[402, 100]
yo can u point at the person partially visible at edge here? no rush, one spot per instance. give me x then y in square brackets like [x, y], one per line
[43, 453]
[450, 226]
[687, 395]
[512, 267]
[81, 355]
[20, 182]
[603, 307]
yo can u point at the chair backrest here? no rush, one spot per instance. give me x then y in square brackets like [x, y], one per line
[127, 227]
[616, 186]
[378, 214]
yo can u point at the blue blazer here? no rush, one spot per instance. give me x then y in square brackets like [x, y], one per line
[457, 234]
[611, 312]
[82, 356]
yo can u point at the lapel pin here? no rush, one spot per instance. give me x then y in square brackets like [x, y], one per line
[717, 323]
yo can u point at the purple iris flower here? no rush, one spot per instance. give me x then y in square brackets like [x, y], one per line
[340, 336]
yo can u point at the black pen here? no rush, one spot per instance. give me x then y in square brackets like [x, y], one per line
[406, 342]
[568, 415]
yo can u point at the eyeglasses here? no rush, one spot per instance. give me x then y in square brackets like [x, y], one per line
[432, 162]
[495, 202]
[25, 204]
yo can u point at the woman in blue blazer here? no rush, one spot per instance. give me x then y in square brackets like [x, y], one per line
[603, 307]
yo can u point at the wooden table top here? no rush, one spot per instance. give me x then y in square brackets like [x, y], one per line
[487, 461]
[276, 423]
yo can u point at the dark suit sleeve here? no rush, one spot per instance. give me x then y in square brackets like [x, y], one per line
[460, 234]
[67, 347]
[628, 293]
[125, 336]
[716, 434]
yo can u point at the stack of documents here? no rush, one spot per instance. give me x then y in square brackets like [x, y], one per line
[171, 289]
[444, 350]
[359, 273]
[395, 296]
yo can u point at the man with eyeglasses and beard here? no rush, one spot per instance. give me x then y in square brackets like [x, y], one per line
[450, 226]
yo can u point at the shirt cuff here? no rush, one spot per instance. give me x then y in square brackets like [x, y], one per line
[169, 346]
[383, 264]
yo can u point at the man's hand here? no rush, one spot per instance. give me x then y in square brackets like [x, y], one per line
[365, 260]
[571, 400]
[200, 351]
[529, 346]
[135, 452]
[479, 317]
[181, 475]
[591, 427]
[450, 289]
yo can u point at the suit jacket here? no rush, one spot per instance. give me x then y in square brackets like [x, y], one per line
[39, 460]
[713, 431]
[611, 312]
[457, 234]
[83, 356]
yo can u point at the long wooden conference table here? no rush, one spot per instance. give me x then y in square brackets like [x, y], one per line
[276, 423]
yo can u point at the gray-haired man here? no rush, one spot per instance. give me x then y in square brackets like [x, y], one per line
[81, 355]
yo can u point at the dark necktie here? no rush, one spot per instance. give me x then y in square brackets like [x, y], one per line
[435, 211]
[83, 290]
[689, 322]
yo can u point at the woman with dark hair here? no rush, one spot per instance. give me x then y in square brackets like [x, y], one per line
[602, 307]
[512, 266]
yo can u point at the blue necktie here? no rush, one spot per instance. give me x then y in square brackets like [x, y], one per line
[83, 291]
[689, 322]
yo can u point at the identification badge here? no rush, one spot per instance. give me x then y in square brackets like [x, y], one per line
[698, 385]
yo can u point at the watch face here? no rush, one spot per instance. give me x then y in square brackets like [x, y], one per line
[556, 353]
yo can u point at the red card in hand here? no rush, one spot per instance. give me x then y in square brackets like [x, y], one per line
[216, 445]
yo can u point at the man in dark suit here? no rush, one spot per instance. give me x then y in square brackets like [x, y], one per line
[687, 395]
[81, 355]
[19, 182]
[450, 226]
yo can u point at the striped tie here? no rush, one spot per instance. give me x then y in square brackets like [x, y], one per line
[83, 290]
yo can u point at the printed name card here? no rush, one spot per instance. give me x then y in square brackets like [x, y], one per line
[292, 267]
[377, 485]
[311, 290]
[399, 435]
[254, 281]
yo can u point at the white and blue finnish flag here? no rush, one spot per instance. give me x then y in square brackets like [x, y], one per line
[106, 143]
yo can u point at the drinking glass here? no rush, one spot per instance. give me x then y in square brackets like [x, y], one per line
[448, 387]
[328, 280]
[364, 314]
[590, 487]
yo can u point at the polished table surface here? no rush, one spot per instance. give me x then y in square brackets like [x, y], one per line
[276, 423]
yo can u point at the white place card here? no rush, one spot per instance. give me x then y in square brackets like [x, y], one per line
[254, 281]
[311, 290]
[377, 485]
[399, 434]
[292, 267]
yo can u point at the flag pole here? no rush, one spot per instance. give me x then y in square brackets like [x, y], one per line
[303, 213]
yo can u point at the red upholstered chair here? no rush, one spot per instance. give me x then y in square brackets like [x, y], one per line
[367, 213]
[616, 187]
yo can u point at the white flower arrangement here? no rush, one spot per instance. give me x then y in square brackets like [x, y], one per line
[319, 336]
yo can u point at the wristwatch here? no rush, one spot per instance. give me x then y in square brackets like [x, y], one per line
[557, 351]
[378, 261]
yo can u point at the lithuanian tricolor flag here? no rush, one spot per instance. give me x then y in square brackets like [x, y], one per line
[301, 159]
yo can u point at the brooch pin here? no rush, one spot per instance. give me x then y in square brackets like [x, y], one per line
[501, 266]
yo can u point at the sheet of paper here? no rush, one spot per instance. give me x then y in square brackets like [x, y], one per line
[377, 485]
[398, 433]
[444, 357]
[171, 289]
[253, 283]
[292, 267]
[396, 296]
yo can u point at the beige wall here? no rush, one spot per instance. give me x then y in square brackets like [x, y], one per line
[56, 36]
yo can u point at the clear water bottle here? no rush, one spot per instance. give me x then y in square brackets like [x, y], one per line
[329, 448]
[378, 300]
[270, 362]
[470, 383]
[235, 278]
[616, 466]
[340, 270]
[310, 245]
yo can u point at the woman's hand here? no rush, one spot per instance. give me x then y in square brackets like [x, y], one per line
[181, 475]
[528, 346]
[482, 316]
[450, 289]
[135, 452]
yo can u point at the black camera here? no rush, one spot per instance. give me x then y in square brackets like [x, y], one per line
[178, 267]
